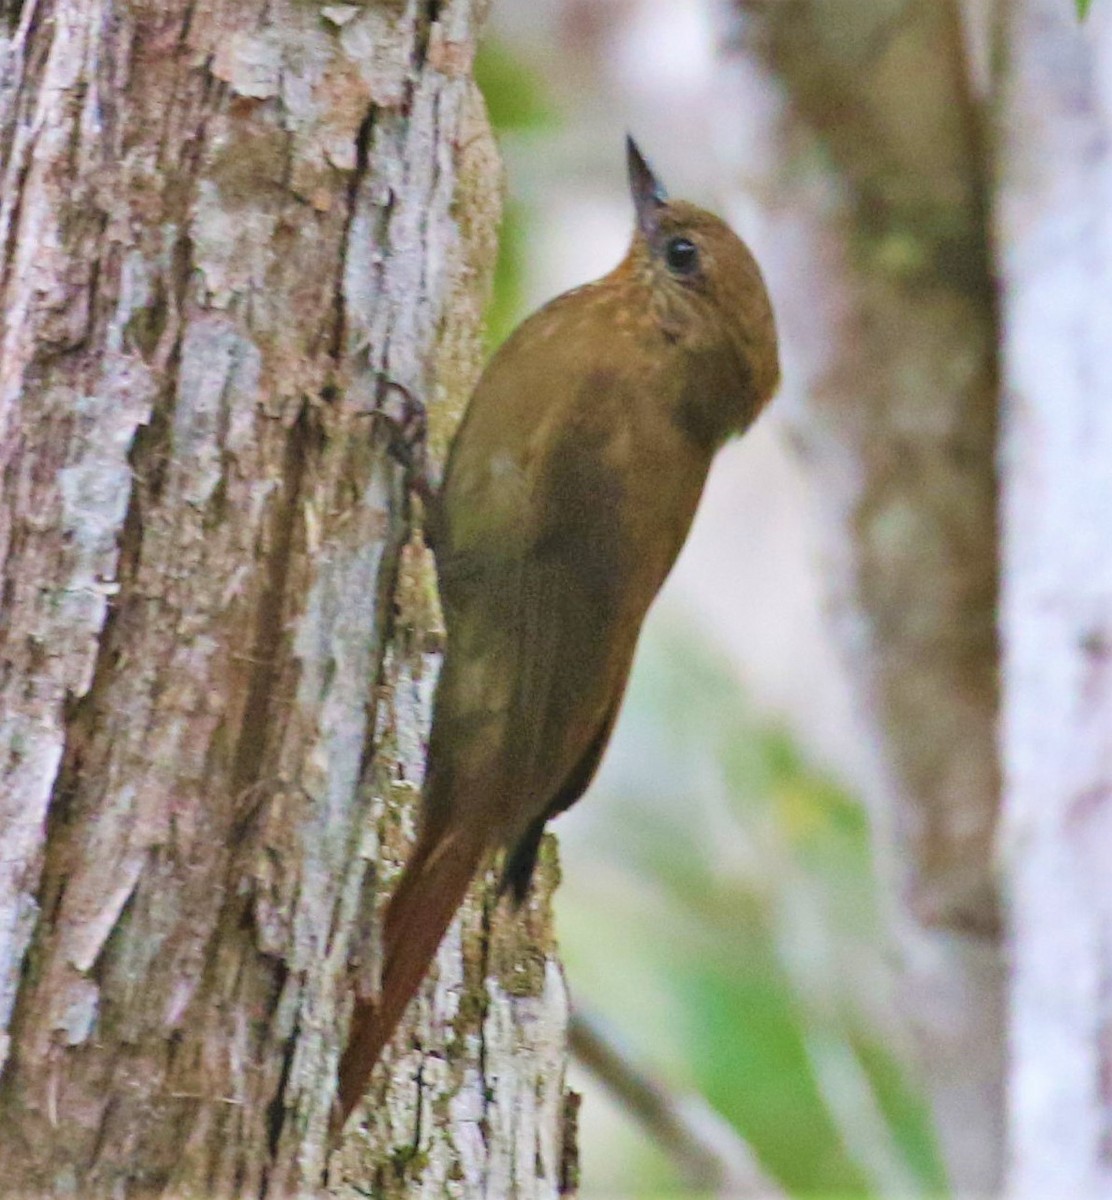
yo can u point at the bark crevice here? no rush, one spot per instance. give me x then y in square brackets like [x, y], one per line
[207, 669]
[257, 726]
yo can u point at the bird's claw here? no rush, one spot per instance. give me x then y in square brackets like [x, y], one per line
[407, 420]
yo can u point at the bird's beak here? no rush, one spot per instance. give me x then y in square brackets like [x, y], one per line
[649, 196]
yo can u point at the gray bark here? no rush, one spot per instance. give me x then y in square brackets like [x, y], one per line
[1055, 231]
[866, 160]
[224, 230]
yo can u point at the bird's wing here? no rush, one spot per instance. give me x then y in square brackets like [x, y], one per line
[517, 872]
[535, 595]
[536, 663]
[568, 492]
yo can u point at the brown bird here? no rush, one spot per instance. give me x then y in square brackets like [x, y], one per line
[569, 491]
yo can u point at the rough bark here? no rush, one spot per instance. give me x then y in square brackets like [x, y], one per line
[1055, 232]
[865, 155]
[225, 229]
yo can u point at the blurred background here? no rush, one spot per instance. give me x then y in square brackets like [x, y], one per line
[723, 917]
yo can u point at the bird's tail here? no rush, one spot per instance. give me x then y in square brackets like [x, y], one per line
[432, 887]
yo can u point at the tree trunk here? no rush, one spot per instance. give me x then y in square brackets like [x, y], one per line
[1055, 225]
[864, 143]
[225, 231]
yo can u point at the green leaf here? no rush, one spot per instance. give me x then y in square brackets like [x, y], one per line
[1083, 7]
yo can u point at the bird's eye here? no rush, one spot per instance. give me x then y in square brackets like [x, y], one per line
[682, 256]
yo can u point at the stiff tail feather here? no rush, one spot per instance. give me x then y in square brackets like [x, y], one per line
[432, 887]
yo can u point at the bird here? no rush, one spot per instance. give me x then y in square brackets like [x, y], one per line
[569, 490]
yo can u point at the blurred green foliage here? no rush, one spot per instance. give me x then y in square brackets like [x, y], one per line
[519, 106]
[738, 884]
[516, 97]
[719, 907]
[1083, 7]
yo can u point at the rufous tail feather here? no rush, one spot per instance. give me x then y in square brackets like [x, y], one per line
[432, 887]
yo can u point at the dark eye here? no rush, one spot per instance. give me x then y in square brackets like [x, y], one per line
[682, 256]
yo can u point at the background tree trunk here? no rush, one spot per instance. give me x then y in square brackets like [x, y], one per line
[224, 230]
[1055, 218]
[872, 179]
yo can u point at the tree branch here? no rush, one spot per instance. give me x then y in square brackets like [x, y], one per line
[705, 1147]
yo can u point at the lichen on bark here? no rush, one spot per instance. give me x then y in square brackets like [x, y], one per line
[224, 231]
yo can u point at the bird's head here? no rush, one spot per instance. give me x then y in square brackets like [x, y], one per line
[706, 286]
